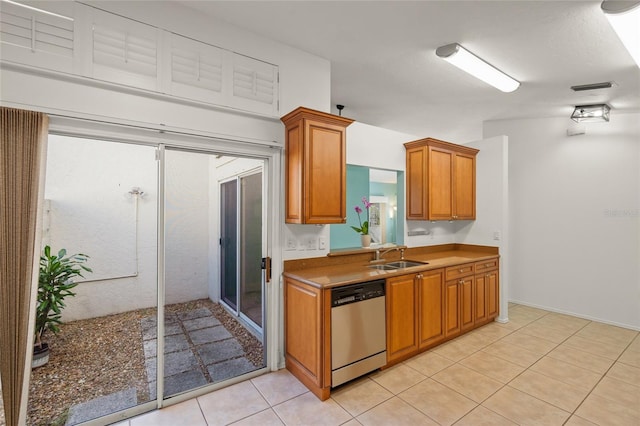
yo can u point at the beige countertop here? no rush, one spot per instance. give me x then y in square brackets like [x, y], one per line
[352, 273]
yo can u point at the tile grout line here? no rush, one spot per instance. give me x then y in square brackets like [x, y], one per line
[602, 377]
[503, 385]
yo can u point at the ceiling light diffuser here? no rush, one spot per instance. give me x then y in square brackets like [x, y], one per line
[468, 62]
[591, 113]
[624, 17]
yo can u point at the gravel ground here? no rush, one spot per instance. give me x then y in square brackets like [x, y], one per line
[99, 356]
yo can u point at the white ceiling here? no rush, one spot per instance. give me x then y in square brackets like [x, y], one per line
[385, 71]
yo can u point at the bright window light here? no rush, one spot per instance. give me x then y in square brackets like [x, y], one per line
[624, 17]
[35, 9]
[468, 62]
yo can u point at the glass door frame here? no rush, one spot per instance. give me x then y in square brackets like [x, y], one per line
[270, 338]
[238, 309]
[161, 138]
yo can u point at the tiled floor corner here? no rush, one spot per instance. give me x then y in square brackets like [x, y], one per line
[540, 368]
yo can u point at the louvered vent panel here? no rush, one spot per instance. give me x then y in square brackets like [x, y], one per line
[124, 50]
[254, 80]
[36, 31]
[197, 68]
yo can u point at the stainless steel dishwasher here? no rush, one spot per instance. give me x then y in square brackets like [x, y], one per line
[358, 330]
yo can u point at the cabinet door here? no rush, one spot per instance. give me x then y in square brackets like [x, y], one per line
[466, 302]
[452, 308]
[464, 187]
[303, 329]
[417, 184]
[294, 174]
[480, 298]
[325, 173]
[402, 333]
[440, 183]
[493, 294]
[431, 298]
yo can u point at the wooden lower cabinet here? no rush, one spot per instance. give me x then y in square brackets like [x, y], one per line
[415, 315]
[493, 294]
[480, 298]
[402, 312]
[307, 319]
[467, 308]
[424, 309]
[459, 299]
[487, 295]
[431, 308]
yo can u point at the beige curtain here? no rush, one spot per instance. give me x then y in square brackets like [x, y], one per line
[22, 151]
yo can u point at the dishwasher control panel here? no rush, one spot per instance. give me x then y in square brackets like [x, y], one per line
[357, 293]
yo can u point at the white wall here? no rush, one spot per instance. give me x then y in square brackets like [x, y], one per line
[491, 225]
[187, 230]
[574, 216]
[87, 183]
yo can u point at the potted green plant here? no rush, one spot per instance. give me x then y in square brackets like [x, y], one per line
[55, 282]
[363, 230]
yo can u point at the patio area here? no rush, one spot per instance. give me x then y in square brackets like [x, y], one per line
[101, 365]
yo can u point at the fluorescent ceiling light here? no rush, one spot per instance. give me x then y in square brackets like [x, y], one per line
[468, 62]
[591, 113]
[624, 17]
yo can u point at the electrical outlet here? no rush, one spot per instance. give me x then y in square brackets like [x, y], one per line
[322, 243]
[312, 243]
[496, 235]
[291, 243]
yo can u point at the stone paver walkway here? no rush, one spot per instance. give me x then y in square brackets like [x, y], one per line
[198, 350]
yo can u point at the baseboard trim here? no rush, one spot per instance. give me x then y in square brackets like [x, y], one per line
[573, 314]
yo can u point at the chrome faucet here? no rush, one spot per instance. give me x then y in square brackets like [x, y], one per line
[378, 255]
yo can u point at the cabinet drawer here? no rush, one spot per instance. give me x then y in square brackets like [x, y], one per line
[486, 265]
[458, 271]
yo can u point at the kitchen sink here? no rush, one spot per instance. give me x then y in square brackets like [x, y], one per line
[399, 264]
[382, 267]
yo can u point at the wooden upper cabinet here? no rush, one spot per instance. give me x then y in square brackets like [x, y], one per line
[315, 170]
[441, 180]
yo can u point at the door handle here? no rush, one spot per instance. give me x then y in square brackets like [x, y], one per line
[266, 265]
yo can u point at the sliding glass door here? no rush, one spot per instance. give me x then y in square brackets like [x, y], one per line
[251, 248]
[212, 242]
[229, 242]
[175, 299]
[241, 246]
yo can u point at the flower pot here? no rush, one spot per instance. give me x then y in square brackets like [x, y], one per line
[40, 355]
[366, 240]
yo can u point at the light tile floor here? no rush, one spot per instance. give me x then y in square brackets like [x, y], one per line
[541, 368]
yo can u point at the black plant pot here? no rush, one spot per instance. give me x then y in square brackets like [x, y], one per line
[40, 355]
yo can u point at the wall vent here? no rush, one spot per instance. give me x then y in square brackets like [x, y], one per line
[594, 86]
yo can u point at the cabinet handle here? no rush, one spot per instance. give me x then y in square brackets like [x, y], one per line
[460, 270]
[419, 276]
[486, 265]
